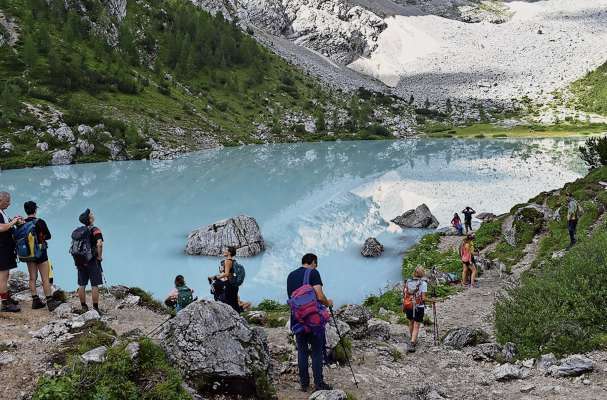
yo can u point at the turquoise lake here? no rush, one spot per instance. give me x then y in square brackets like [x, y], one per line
[325, 198]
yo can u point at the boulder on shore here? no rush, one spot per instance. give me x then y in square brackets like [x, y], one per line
[372, 248]
[217, 350]
[421, 217]
[241, 232]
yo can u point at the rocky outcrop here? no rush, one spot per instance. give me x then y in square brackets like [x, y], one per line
[85, 147]
[216, 349]
[372, 248]
[421, 217]
[574, 365]
[329, 395]
[241, 232]
[357, 318]
[486, 216]
[96, 355]
[61, 157]
[508, 372]
[459, 338]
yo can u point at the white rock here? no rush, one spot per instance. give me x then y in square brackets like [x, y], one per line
[329, 395]
[84, 130]
[133, 350]
[64, 133]
[97, 355]
[85, 147]
[546, 361]
[42, 146]
[508, 371]
[6, 358]
[87, 316]
[61, 157]
[64, 310]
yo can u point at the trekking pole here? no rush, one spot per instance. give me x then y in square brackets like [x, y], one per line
[434, 311]
[155, 330]
[343, 346]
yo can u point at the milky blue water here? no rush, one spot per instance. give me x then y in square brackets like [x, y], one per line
[325, 198]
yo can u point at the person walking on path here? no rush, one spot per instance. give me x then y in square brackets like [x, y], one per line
[8, 254]
[456, 223]
[91, 272]
[466, 253]
[225, 279]
[573, 214]
[468, 211]
[41, 264]
[304, 289]
[415, 290]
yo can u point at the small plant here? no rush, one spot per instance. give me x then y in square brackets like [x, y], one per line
[146, 300]
[271, 305]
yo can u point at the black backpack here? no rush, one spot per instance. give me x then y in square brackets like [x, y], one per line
[81, 249]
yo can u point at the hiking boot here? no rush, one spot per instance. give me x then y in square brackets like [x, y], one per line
[12, 300]
[411, 347]
[52, 304]
[323, 386]
[303, 388]
[37, 303]
[9, 307]
[84, 309]
[98, 310]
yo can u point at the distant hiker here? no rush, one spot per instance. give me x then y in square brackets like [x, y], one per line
[87, 250]
[31, 238]
[181, 296]
[8, 256]
[466, 253]
[573, 214]
[456, 223]
[414, 299]
[231, 276]
[309, 316]
[468, 211]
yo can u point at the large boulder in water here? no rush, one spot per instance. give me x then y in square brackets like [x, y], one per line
[372, 248]
[421, 217]
[216, 350]
[241, 232]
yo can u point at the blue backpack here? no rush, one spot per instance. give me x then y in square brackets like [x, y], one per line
[26, 239]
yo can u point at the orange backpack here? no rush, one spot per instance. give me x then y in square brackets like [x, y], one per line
[409, 299]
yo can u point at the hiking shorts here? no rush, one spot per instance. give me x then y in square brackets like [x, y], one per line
[92, 272]
[43, 257]
[419, 314]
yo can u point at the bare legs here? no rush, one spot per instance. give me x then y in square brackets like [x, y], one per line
[42, 268]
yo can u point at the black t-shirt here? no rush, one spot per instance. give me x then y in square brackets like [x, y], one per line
[468, 214]
[95, 236]
[41, 229]
[296, 278]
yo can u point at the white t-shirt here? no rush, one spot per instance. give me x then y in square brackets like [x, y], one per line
[412, 286]
[5, 217]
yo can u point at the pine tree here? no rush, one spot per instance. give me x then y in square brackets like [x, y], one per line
[30, 53]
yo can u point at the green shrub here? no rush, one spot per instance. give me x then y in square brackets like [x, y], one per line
[427, 255]
[560, 309]
[343, 351]
[488, 233]
[594, 152]
[271, 305]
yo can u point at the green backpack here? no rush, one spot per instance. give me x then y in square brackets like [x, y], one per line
[184, 297]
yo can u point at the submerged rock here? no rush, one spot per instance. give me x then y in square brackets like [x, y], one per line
[372, 248]
[421, 217]
[241, 232]
[216, 349]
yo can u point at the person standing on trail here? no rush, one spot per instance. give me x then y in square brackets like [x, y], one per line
[8, 254]
[225, 282]
[91, 269]
[466, 253]
[468, 211]
[414, 300]
[308, 318]
[456, 223]
[40, 265]
[573, 214]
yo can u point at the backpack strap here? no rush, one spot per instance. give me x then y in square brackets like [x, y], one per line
[306, 280]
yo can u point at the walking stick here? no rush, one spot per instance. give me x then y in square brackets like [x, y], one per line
[434, 319]
[155, 330]
[343, 346]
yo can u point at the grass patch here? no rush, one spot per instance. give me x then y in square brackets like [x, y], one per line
[343, 351]
[573, 128]
[591, 91]
[489, 232]
[146, 300]
[268, 305]
[427, 255]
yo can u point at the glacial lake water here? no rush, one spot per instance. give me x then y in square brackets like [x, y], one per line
[325, 198]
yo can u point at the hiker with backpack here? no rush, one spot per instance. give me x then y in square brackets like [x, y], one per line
[31, 239]
[466, 253]
[181, 296]
[573, 214]
[414, 304]
[8, 255]
[87, 251]
[468, 211]
[231, 276]
[309, 315]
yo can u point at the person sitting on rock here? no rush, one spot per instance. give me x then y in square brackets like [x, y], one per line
[181, 296]
[41, 264]
[415, 290]
[466, 253]
[224, 281]
[456, 223]
[468, 211]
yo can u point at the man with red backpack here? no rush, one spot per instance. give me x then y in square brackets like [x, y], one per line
[309, 315]
[414, 300]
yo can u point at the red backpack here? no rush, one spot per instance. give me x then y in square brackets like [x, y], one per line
[411, 299]
[308, 314]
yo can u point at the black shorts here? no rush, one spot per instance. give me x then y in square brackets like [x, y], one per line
[42, 258]
[92, 272]
[8, 260]
[419, 314]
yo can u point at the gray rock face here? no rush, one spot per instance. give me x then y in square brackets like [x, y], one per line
[331, 333]
[378, 329]
[372, 248]
[421, 217]
[116, 151]
[63, 311]
[487, 351]
[85, 147]
[42, 146]
[133, 350]
[63, 133]
[214, 347]
[486, 216]
[97, 355]
[357, 317]
[18, 281]
[575, 365]
[7, 148]
[329, 395]
[241, 232]
[61, 157]
[459, 338]
[6, 358]
[546, 361]
[84, 130]
[508, 372]
[257, 317]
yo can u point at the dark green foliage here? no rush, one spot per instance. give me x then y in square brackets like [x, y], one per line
[391, 300]
[561, 308]
[591, 91]
[594, 152]
[271, 305]
[377, 130]
[489, 232]
[427, 255]
[118, 377]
